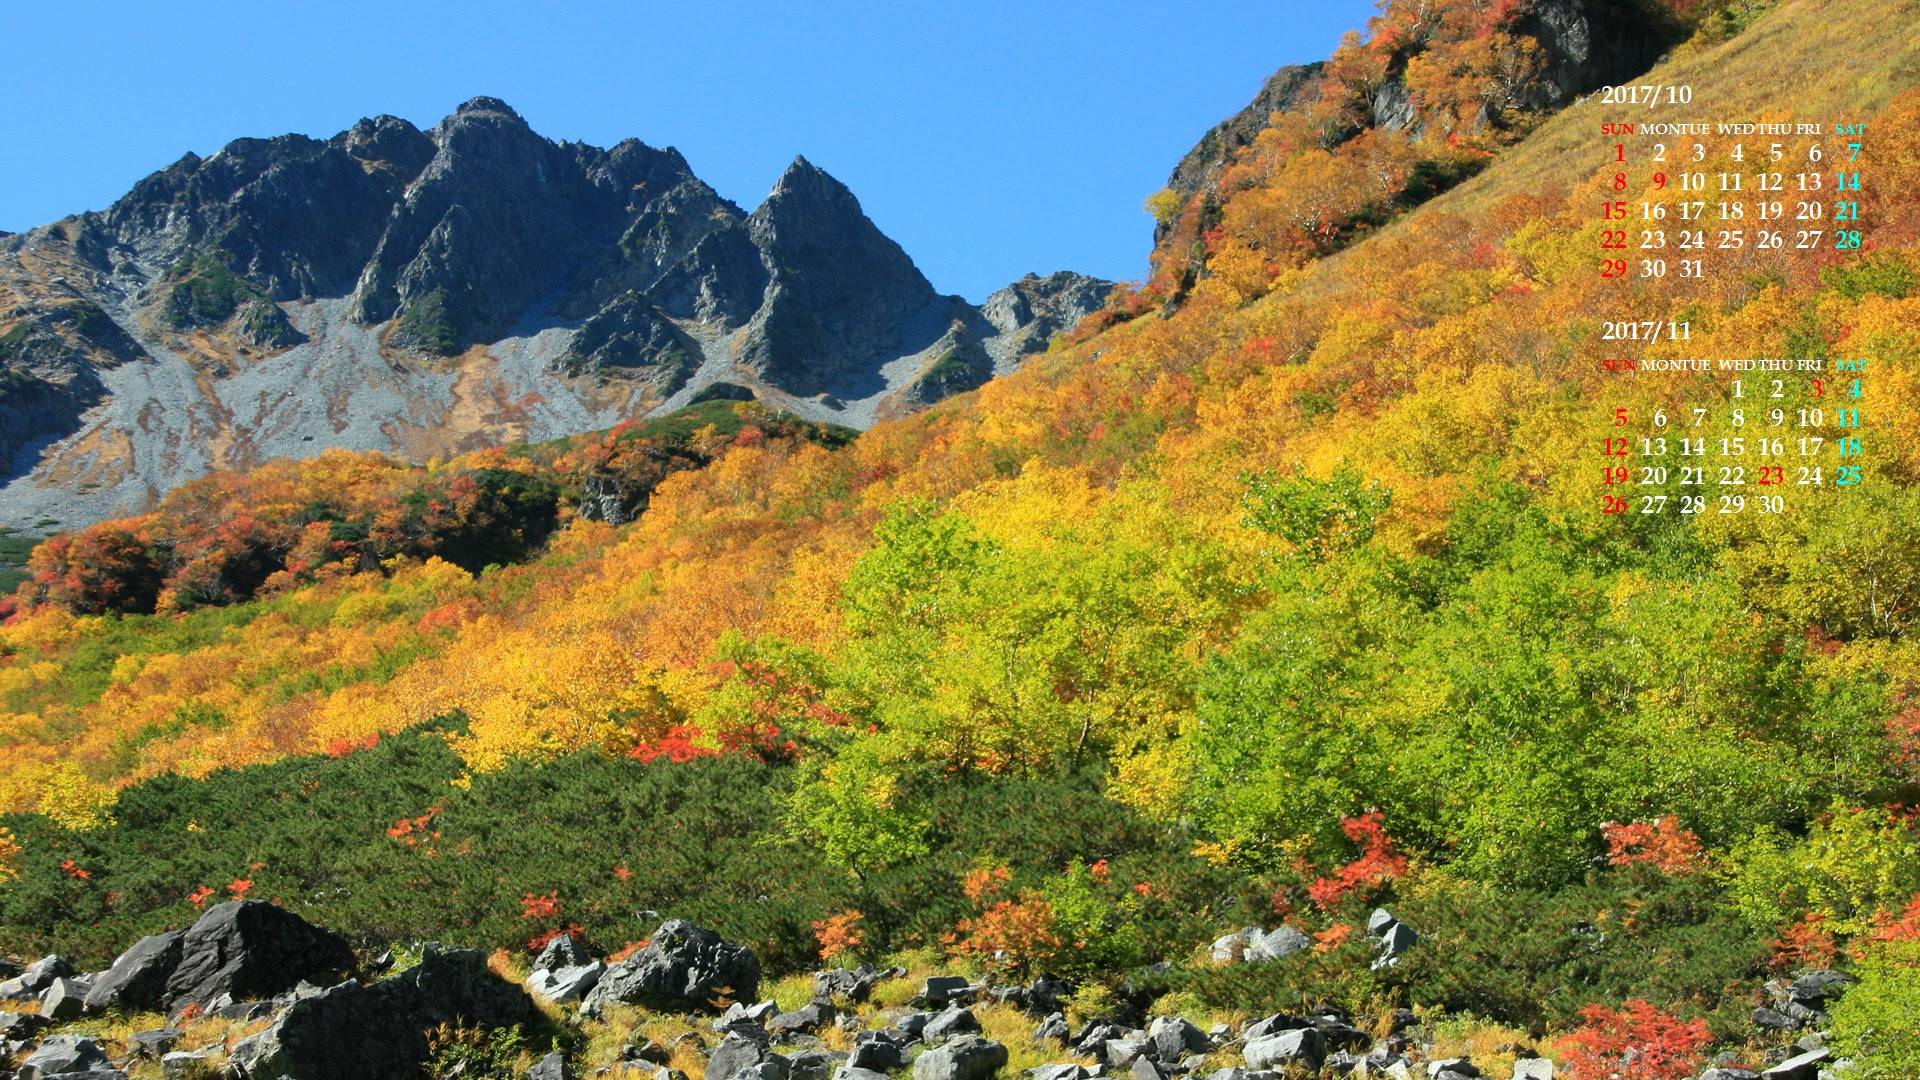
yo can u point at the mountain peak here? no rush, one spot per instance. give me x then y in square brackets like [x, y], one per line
[485, 104]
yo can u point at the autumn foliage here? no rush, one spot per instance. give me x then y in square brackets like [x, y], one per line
[1635, 1042]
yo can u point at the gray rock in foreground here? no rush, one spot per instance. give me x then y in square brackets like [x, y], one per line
[684, 968]
[251, 949]
[968, 1057]
[380, 1032]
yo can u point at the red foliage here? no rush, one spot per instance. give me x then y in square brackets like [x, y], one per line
[413, 831]
[1902, 927]
[1637, 1043]
[1662, 844]
[536, 906]
[678, 745]
[199, 896]
[239, 887]
[1805, 944]
[1377, 865]
[622, 873]
[539, 941]
[340, 748]
[982, 883]
[1903, 738]
[73, 869]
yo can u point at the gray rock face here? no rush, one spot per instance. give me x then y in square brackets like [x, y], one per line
[968, 1057]
[1586, 44]
[281, 284]
[1291, 86]
[191, 1064]
[684, 967]
[948, 1022]
[1301, 1045]
[380, 1032]
[1174, 1037]
[65, 999]
[552, 1067]
[252, 949]
[1534, 1069]
[810, 1017]
[567, 983]
[138, 978]
[736, 1054]
[564, 951]
[60, 1055]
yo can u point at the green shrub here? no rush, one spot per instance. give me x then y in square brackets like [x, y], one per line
[1877, 1023]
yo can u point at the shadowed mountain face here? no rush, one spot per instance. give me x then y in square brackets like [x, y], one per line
[420, 293]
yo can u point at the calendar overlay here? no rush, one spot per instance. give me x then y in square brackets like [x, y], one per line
[1685, 201]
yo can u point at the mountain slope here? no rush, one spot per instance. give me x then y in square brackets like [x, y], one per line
[423, 293]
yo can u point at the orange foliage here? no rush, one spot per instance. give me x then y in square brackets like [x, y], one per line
[838, 933]
[1805, 944]
[1662, 844]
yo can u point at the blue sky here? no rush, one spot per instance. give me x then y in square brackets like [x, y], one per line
[989, 139]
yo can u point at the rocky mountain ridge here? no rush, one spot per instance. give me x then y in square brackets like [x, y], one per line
[425, 292]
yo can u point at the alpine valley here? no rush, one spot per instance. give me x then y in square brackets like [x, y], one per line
[1252, 684]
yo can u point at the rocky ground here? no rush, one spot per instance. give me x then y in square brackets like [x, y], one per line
[253, 992]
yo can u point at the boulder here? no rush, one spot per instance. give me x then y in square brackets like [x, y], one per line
[684, 968]
[737, 1052]
[192, 1065]
[1816, 988]
[968, 1057]
[1095, 1034]
[34, 981]
[1272, 946]
[1393, 942]
[1458, 1066]
[565, 951]
[380, 1032]
[1274, 1025]
[1533, 1069]
[1068, 1070]
[1053, 1027]
[1800, 1067]
[1230, 947]
[848, 1072]
[1046, 995]
[137, 981]
[1174, 1037]
[854, 985]
[810, 1017]
[154, 1043]
[950, 1021]
[552, 1067]
[566, 983]
[20, 1027]
[60, 1055]
[742, 1015]
[774, 1068]
[814, 1064]
[1725, 1073]
[877, 1055]
[1770, 1020]
[1301, 1046]
[252, 949]
[913, 1023]
[938, 990]
[1120, 1053]
[64, 1000]
[1143, 1068]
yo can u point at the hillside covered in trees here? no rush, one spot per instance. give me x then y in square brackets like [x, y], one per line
[1274, 592]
